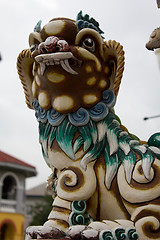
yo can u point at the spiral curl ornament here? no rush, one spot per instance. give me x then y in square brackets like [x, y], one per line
[70, 180]
[79, 118]
[40, 113]
[132, 234]
[36, 105]
[76, 219]
[120, 234]
[142, 189]
[55, 118]
[147, 221]
[79, 215]
[106, 235]
[79, 206]
[148, 228]
[138, 174]
[98, 112]
[109, 98]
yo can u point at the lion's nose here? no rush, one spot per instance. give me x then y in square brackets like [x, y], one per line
[53, 44]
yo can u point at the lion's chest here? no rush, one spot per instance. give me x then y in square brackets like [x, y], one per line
[58, 159]
[101, 202]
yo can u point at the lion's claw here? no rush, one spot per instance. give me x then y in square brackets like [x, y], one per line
[83, 232]
[41, 232]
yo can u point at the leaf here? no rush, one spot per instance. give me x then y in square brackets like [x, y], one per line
[77, 144]
[112, 164]
[52, 136]
[85, 134]
[94, 152]
[45, 137]
[147, 161]
[41, 131]
[93, 131]
[129, 163]
[64, 136]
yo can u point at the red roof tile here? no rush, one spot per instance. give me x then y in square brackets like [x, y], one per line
[6, 158]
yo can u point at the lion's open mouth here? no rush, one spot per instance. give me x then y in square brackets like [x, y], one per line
[59, 58]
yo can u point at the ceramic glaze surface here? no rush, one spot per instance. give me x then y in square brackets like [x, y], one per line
[105, 181]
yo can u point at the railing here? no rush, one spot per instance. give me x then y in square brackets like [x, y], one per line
[7, 205]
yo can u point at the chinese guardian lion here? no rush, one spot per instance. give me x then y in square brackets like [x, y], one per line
[106, 181]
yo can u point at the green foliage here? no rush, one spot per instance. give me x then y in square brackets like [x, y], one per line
[40, 211]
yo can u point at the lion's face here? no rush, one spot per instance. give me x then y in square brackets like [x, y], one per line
[67, 68]
[70, 69]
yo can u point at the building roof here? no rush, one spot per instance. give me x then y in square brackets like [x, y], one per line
[37, 191]
[11, 162]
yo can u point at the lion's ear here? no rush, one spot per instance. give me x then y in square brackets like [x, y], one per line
[24, 67]
[115, 51]
[34, 38]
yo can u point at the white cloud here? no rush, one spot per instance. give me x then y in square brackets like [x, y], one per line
[49, 5]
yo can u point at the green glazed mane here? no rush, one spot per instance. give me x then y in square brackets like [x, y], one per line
[104, 137]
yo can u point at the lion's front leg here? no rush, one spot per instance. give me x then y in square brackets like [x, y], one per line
[57, 224]
[59, 215]
[74, 187]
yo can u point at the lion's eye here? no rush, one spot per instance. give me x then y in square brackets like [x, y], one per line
[89, 44]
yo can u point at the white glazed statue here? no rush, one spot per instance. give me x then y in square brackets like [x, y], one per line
[107, 181]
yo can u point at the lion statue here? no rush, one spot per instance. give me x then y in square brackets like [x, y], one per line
[106, 181]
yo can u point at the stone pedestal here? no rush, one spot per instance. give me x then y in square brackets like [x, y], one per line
[56, 239]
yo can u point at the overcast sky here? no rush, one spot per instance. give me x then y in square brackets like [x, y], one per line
[128, 21]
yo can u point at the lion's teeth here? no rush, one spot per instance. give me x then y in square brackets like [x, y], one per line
[42, 67]
[65, 65]
[56, 61]
[48, 63]
[46, 60]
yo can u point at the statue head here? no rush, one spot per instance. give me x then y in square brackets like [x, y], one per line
[69, 65]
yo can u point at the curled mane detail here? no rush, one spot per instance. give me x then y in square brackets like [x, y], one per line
[106, 138]
[120, 63]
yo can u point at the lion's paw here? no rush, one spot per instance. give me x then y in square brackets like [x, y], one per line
[43, 232]
[82, 232]
[104, 230]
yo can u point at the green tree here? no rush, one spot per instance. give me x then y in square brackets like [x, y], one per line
[41, 210]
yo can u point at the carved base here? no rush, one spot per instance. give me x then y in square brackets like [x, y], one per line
[56, 239]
